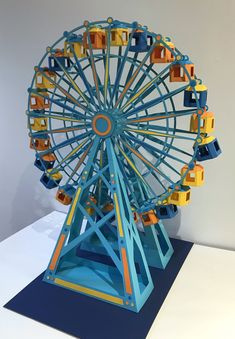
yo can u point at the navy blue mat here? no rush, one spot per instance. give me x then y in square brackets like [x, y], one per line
[87, 318]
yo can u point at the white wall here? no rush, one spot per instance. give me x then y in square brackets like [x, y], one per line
[203, 29]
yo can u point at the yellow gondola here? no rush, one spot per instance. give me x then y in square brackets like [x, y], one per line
[39, 124]
[119, 36]
[207, 122]
[180, 197]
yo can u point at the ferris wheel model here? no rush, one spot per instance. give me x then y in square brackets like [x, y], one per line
[120, 125]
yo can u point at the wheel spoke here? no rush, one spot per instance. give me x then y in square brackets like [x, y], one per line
[164, 143]
[63, 118]
[109, 104]
[153, 150]
[81, 73]
[155, 102]
[134, 168]
[80, 162]
[58, 130]
[69, 155]
[132, 79]
[152, 172]
[65, 143]
[99, 188]
[142, 78]
[158, 180]
[73, 83]
[131, 70]
[61, 98]
[161, 115]
[166, 128]
[144, 88]
[120, 67]
[147, 163]
[143, 131]
[150, 90]
[62, 79]
[66, 93]
[32, 114]
[107, 65]
[117, 71]
[93, 67]
[128, 174]
[58, 103]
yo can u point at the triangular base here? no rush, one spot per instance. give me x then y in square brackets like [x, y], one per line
[99, 280]
[122, 277]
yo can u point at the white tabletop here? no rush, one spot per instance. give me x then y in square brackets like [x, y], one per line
[200, 304]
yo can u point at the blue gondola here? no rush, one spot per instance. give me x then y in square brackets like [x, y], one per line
[189, 96]
[58, 59]
[141, 42]
[166, 211]
[51, 181]
[208, 149]
[45, 162]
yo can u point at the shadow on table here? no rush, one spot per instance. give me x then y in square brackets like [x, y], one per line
[173, 225]
[31, 200]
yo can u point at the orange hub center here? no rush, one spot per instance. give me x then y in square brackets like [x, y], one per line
[101, 125]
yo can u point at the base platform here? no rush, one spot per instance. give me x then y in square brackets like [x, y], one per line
[88, 318]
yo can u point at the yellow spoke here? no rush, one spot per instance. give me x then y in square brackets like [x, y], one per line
[157, 117]
[75, 86]
[140, 157]
[67, 94]
[71, 154]
[129, 83]
[143, 89]
[142, 131]
[131, 164]
[80, 161]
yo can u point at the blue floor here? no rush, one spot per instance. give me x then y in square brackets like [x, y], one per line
[87, 318]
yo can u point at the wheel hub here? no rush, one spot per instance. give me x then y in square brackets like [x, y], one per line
[102, 125]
